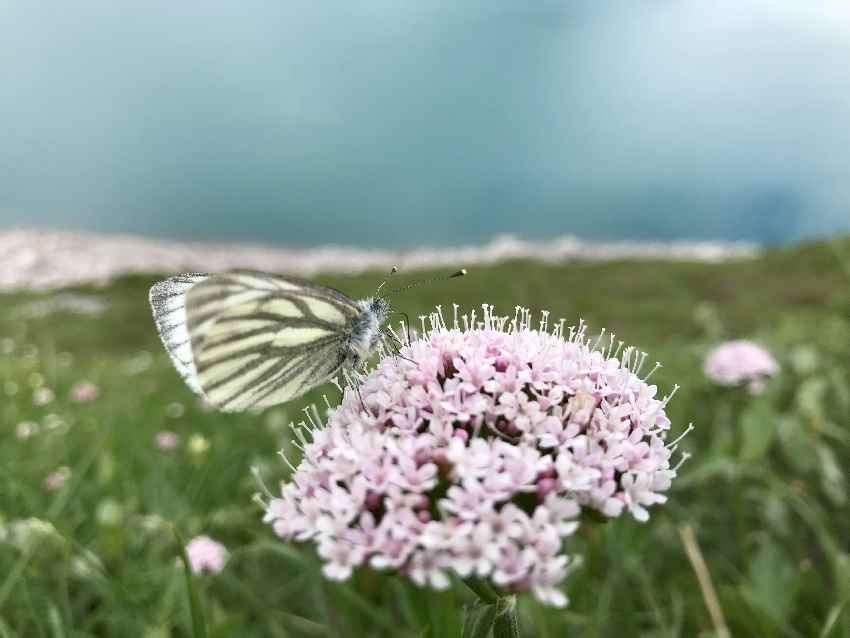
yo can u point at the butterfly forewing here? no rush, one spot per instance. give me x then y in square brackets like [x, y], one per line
[257, 340]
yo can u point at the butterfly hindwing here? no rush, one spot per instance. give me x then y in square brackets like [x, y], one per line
[258, 339]
[168, 302]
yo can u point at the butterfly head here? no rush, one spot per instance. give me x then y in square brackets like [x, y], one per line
[380, 308]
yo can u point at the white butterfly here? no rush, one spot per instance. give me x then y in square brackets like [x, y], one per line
[247, 339]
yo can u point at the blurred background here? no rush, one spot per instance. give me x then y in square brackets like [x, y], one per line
[403, 123]
[676, 172]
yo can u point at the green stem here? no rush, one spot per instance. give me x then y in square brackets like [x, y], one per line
[482, 590]
[199, 626]
[503, 615]
[507, 622]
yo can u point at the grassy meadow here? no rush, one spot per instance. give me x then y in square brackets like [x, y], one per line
[765, 492]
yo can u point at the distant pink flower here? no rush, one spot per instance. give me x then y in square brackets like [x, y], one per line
[166, 441]
[737, 363]
[57, 478]
[205, 554]
[84, 391]
[475, 453]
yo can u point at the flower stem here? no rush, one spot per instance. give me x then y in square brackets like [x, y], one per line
[507, 622]
[482, 590]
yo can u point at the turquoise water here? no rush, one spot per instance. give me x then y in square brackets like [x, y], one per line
[409, 123]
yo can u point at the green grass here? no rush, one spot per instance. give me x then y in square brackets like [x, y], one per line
[765, 492]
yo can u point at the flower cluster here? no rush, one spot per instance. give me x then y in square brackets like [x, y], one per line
[84, 391]
[166, 440]
[57, 478]
[475, 452]
[736, 363]
[206, 555]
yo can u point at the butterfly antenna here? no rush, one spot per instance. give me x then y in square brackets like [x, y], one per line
[459, 273]
[393, 271]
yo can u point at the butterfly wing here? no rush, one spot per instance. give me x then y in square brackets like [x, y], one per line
[257, 339]
[168, 302]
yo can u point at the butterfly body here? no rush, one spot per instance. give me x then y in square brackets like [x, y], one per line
[364, 336]
[246, 339]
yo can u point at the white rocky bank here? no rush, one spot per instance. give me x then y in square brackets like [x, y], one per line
[43, 259]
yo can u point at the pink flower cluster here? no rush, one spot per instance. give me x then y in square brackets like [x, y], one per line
[736, 363]
[475, 452]
[84, 392]
[57, 478]
[206, 555]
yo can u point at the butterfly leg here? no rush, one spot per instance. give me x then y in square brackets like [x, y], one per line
[406, 323]
[395, 346]
[360, 396]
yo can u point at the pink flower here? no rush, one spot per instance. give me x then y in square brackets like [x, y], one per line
[84, 391]
[57, 478]
[475, 453]
[205, 554]
[736, 363]
[166, 441]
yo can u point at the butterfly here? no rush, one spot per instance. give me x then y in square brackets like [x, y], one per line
[246, 339]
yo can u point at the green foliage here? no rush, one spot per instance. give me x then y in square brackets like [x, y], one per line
[766, 490]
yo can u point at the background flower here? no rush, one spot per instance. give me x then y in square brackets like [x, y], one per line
[27, 429]
[42, 396]
[166, 440]
[205, 554]
[84, 391]
[57, 478]
[740, 362]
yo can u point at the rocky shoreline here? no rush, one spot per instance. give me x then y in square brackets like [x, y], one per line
[48, 259]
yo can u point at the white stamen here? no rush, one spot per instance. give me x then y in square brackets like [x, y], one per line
[651, 372]
[620, 345]
[672, 445]
[598, 340]
[666, 399]
[282, 455]
[257, 477]
[685, 457]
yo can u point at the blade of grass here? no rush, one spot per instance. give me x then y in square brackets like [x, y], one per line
[199, 627]
[14, 574]
[831, 619]
[692, 549]
[78, 474]
[54, 620]
[479, 619]
[5, 631]
[305, 624]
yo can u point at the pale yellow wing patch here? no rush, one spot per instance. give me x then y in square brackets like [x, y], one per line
[325, 311]
[292, 337]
